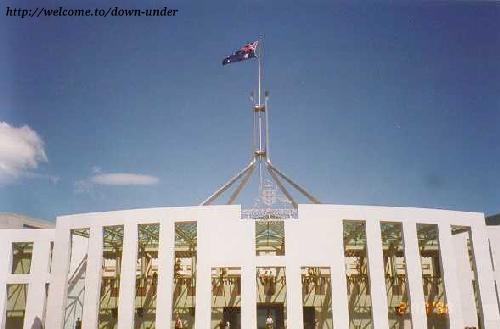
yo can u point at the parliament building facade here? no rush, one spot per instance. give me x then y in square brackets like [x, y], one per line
[206, 267]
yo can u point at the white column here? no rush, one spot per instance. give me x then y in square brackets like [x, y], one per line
[449, 270]
[5, 262]
[494, 245]
[465, 276]
[36, 291]
[165, 275]
[248, 297]
[58, 279]
[203, 277]
[92, 279]
[340, 307]
[294, 311]
[203, 294]
[414, 276]
[376, 274]
[485, 277]
[126, 301]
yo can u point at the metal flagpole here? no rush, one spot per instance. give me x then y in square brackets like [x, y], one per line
[259, 107]
[259, 55]
[282, 188]
[261, 152]
[243, 182]
[268, 152]
[228, 184]
[295, 185]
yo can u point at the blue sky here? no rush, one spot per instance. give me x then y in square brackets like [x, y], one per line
[371, 103]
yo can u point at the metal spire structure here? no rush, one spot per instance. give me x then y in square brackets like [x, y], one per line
[261, 161]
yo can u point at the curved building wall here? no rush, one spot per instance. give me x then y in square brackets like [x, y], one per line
[445, 251]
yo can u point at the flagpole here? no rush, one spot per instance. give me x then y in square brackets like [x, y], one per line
[261, 149]
[259, 68]
[266, 120]
[259, 97]
[268, 150]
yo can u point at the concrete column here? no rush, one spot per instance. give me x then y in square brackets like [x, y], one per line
[203, 295]
[203, 277]
[248, 297]
[5, 263]
[340, 307]
[376, 274]
[465, 277]
[165, 275]
[35, 302]
[92, 279]
[449, 270]
[485, 277]
[494, 244]
[126, 301]
[414, 275]
[294, 311]
[58, 280]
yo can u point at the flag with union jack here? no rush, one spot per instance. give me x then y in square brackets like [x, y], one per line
[246, 52]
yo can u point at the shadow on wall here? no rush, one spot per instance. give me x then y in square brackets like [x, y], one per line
[37, 323]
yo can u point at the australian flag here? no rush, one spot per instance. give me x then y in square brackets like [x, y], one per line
[245, 52]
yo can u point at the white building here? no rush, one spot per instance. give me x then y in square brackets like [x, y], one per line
[335, 266]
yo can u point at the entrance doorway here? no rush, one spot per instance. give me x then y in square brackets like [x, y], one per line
[309, 317]
[276, 310]
[233, 315]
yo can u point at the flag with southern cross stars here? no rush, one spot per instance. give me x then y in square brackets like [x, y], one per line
[245, 52]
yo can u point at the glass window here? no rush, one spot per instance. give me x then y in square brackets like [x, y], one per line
[16, 305]
[184, 285]
[110, 279]
[396, 284]
[76, 278]
[430, 257]
[44, 313]
[21, 257]
[317, 298]
[271, 297]
[358, 280]
[226, 298]
[270, 238]
[146, 281]
[51, 255]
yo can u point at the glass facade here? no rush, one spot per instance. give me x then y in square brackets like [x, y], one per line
[76, 278]
[22, 253]
[271, 298]
[184, 285]
[226, 298]
[396, 284]
[358, 280]
[269, 238]
[317, 297]
[433, 283]
[112, 249]
[146, 281]
[15, 306]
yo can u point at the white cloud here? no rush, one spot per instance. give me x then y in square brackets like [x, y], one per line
[112, 179]
[123, 179]
[21, 149]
